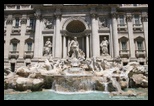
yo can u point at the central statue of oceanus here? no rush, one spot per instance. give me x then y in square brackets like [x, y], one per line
[75, 51]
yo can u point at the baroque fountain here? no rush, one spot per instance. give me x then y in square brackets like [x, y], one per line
[77, 74]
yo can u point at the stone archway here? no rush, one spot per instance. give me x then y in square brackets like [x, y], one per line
[74, 19]
[75, 27]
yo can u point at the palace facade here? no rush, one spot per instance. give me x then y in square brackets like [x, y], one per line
[27, 27]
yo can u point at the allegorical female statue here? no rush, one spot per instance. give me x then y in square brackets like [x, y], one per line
[104, 46]
[47, 47]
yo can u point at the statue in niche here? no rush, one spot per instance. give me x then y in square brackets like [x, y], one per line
[104, 46]
[48, 24]
[103, 23]
[75, 52]
[47, 48]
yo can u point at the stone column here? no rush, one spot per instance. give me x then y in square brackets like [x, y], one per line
[90, 45]
[83, 43]
[111, 39]
[37, 35]
[131, 37]
[9, 23]
[68, 47]
[145, 28]
[58, 41]
[41, 43]
[95, 36]
[23, 23]
[115, 35]
[87, 46]
[28, 21]
[64, 46]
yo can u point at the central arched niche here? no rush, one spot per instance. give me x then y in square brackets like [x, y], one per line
[75, 26]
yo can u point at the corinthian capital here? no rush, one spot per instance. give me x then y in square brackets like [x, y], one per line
[114, 15]
[144, 17]
[23, 21]
[9, 21]
[129, 18]
[93, 15]
[37, 14]
[57, 13]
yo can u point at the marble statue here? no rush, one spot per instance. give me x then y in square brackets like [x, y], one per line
[104, 46]
[47, 65]
[75, 52]
[47, 47]
[93, 65]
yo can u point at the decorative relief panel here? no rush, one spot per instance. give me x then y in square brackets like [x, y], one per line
[49, 23]
[102, 22]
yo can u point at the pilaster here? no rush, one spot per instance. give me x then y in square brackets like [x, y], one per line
[145, 28]
[95, 36]
[58, 38]
[37, 39]
[115, 35]
[131, 37]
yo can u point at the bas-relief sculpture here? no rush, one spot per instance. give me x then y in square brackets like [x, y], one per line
[48, 24]
[102, 23]
[47, 48]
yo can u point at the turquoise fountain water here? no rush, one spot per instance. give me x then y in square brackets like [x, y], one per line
[52, 95]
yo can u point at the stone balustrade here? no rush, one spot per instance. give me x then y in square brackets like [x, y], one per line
[28, 54]
[124, 53]
[14, 54]
[140, 53]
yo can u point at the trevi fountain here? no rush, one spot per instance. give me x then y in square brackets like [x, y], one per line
[77, 78]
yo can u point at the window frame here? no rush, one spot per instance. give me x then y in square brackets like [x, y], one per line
[122, 19]
[17, 25]
[29, 47]
[14, 46]
[122, 46]
[136, 19]
[141, 45]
